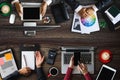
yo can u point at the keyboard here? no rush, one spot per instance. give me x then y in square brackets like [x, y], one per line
[67, 58]
[84, 58]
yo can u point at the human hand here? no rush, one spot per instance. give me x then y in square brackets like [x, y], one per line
[25, 71]
[43, 8]
[86, 12]
[39, 59]
[83, 68]
[19, 8]
[71, 64]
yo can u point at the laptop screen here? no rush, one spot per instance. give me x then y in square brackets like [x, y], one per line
[31, 13]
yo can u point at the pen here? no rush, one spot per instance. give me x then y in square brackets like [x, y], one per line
[25, 60]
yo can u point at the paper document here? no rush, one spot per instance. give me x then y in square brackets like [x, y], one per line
[28, 59]
[85, 25]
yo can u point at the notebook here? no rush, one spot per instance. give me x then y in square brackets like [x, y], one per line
[28, 59]
[7, 63]
[113, 13]
[28, 55]
[86, 56]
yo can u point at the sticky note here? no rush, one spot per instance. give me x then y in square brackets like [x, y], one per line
[8, 56]
[1, 61]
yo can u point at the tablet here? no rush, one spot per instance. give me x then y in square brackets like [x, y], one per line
[7, 63]
[106, 73]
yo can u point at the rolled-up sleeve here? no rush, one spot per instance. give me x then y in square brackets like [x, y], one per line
[14, 1]
[48, 2]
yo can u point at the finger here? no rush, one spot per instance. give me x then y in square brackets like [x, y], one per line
[43, 58]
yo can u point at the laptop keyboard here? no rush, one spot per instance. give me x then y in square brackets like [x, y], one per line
[67, 58]
[84, 58]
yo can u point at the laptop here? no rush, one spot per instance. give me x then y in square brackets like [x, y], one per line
[86, 56]
[31, 11]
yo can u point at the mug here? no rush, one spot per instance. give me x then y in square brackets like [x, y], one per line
[53, 71]
[5, 9]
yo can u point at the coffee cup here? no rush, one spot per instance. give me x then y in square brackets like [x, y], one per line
[5, 9]
[53, 71]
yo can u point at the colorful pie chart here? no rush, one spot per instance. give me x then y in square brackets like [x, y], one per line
[89, 21]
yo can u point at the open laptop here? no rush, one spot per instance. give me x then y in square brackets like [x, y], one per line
[31, 11]
[86, 56]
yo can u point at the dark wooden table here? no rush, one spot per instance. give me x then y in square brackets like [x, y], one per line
[57, 37]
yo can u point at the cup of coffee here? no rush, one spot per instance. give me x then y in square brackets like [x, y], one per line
[5, 9]
[53, 71]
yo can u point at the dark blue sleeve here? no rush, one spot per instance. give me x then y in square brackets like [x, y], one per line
[73, 3]
[12, 76]
[103, 3]
[40, 74]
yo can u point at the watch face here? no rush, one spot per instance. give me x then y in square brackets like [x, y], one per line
[5, 9]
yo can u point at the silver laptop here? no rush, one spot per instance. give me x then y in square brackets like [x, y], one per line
[31, 12]
[86, 56]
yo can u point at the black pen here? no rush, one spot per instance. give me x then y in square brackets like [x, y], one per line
[25, 60]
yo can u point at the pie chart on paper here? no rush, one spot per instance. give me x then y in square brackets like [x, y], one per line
[89, 21]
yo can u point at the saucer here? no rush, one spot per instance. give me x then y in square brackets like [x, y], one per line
[105, 56]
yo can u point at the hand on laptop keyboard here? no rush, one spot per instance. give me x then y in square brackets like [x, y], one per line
[81, 66]
[71, 64]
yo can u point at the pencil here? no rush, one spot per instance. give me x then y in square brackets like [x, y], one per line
[25, 60]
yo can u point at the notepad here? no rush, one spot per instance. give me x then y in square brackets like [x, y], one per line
[28, 59]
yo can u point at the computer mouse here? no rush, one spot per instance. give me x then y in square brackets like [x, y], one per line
[12, 19]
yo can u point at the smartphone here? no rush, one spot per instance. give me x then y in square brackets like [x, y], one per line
[76, 58]
[51, 57]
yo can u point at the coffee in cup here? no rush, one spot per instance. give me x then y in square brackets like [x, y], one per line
[53, 71]
[5, 9]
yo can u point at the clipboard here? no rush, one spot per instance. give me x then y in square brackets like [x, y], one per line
[28, 55]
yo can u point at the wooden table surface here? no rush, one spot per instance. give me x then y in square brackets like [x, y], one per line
[57, 37]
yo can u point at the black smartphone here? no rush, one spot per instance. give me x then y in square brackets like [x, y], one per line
[76, 58]
[51, 57]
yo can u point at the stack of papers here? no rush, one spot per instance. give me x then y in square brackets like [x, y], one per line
[85, 25]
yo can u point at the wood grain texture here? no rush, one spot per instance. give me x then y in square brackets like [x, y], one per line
[57, 37]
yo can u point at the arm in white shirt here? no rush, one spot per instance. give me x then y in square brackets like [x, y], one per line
[14, 1]
[80, 7]
[48, 2]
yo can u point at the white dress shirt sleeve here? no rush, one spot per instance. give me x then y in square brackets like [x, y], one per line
[14, 1]
[48, 2]
[80, 7]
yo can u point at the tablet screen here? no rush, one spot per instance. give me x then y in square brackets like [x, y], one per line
[106, 73]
